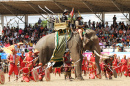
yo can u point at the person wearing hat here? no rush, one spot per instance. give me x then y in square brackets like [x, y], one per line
[67, 63]
[64, 16]
[79, 26]
[36, 61]
[28, 60]
[11, 59]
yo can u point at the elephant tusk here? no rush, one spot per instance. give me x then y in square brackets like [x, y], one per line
[97, 53]
[102, 56]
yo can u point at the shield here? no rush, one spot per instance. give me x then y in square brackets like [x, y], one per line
[92, 76]
[47, 74]
[2, 77]
[35, 75]
[114, 73]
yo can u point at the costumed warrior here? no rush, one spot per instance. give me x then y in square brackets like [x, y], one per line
[13, 60]
[119, 67]
[79, 26]
[67, 63]
[102, 66]
[64, 16]
[115, 63]
[84, 65]
[36, 57]
[92, 66]
[124, 66]
[129, 66]
[28, 60]
[21, 60]
[41, 71]
[108, 67]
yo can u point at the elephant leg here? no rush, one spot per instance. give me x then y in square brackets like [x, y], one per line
[78, 70]
[98, 66]
[43, 57]
[75, 74]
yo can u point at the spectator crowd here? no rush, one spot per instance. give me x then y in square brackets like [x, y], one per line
[115, 35]
[108, 35]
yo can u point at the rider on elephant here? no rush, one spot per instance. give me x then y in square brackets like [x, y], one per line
[67, 63]
[64, 16]
[79, 26]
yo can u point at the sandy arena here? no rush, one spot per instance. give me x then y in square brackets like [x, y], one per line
[59, 81]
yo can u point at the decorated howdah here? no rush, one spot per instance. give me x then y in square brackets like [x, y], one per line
[62, 35]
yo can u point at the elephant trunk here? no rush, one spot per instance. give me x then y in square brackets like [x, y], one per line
[96, 50]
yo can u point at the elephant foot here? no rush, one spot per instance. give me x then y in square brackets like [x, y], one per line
[79, 78]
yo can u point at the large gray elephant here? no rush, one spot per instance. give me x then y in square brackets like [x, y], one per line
[46, 45]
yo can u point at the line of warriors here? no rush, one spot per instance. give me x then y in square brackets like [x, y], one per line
[109, 67]
[29, 62]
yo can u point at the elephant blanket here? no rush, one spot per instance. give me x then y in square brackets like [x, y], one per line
[60, 46]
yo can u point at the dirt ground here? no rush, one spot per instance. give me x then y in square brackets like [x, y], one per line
[59, 81]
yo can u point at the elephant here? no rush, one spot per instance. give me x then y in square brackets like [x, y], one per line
[90, 41]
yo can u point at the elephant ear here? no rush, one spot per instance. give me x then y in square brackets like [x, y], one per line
[86, 39]
[89, 33]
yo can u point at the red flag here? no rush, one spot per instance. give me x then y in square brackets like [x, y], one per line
[72, 13]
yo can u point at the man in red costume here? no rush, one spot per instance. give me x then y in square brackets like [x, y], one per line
[92, 65]
[124, 66]
[22, 64]
[129, 66]
[67, 64]
[41, 71]
[12, 58]
[102, 65]
[29, 61]
[119, 67]
[115, 61]
[84, 65]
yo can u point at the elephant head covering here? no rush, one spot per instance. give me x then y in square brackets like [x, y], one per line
[65, 11]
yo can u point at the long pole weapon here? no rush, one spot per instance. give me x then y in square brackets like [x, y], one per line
[38, 12]
[45, 11]
[49, 10]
